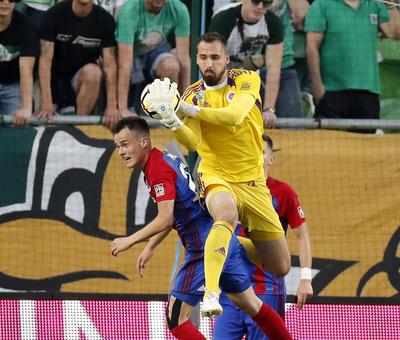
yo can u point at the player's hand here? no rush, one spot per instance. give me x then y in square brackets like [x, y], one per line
[143, 258]
[162, 95]
[169, 119]
[120, 244]
[22, 116]
[187, 109]
[304, 292]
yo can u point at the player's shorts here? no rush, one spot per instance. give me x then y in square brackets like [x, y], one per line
[233, 324]
[254, 204]
[189, 282]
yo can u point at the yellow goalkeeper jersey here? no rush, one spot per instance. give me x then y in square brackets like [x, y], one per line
[231, 152]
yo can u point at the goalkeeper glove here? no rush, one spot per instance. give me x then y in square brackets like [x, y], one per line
[170, 119]
[161, 95]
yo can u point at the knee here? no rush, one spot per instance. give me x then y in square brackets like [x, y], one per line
[228, 215]
[168, 67]
[173, 313]
[90, 73]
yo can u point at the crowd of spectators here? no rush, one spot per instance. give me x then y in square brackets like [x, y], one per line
[91, 49]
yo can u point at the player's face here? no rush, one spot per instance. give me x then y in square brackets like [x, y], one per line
[268, 158]
[131, 148]
[6, 8]
[212, 60]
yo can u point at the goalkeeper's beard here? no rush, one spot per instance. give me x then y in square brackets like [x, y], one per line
[212, 79]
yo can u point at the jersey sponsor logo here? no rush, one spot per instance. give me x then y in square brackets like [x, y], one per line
[301, 212]
[87, 42]
[159, 189]
[373, 19]
[63, 37]
[245, 86]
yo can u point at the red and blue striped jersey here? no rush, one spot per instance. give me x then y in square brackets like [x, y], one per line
[168, 178]
[288, 207]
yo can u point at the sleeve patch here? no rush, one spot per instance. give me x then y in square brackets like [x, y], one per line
[159, 189]
[245, 86]
[301, 212]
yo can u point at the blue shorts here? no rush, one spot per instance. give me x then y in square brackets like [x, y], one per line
[144, 67]
[10, 98]
[233, 324]
[189, 282]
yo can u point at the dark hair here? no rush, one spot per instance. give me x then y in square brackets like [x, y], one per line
[270, 143]
[211, 37]
[137, 124]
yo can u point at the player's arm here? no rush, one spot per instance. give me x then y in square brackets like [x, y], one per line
[247, 90]
[163, 221]
[148, 251]
[304, 290]
[189, 134]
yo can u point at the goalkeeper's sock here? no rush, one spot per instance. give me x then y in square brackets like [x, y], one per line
[215, 252]
[187, 331]
[271, 323]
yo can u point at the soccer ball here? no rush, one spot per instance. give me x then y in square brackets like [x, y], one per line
[145, 103]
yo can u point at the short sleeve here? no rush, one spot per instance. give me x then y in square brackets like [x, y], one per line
[30, 46]
[315, 19]
[294, 212]
[248, 82]
[108, 39]
[127, 22]
[48, 26]
[182, 28]
[275, 27]
[162, 183]
[383, 14]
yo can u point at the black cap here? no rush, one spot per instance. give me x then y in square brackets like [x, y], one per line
[269, 142]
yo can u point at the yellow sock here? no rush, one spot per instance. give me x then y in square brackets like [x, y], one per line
[215, 252]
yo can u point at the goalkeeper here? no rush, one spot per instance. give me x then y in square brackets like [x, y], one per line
[223, 122]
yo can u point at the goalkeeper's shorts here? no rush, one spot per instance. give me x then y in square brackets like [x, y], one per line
[254, 205]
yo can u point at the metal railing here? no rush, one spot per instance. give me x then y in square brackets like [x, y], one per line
[285, 123]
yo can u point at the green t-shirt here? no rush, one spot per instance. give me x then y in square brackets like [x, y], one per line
[282, 11]
[146, 31]
[348, 53]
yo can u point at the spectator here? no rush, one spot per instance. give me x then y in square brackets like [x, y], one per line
[142, 30]
[70, 58]
[111, 6]
[342, 55]
[19, 47]
[254, 35]
[292, 13]
[35, 10]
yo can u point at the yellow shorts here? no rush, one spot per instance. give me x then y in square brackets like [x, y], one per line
[254, 204]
